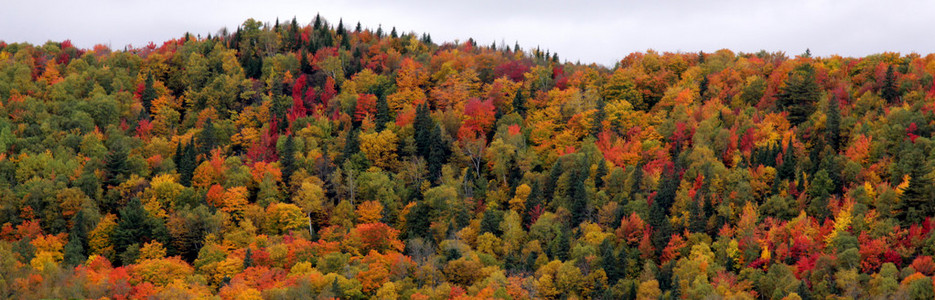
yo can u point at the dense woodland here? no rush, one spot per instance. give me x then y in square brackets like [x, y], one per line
[332, 161]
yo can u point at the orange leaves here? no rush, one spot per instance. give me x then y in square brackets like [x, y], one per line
[263, 169]
[859, 151]
[231, 200]
[369, 212]
[631, 229]
[378, 237]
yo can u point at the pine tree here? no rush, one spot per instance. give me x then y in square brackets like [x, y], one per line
[800, 93]
[833, 126]
[579, 195]
[889, 91]
[136, 227]
[519, 103]
[207, 138]
[351, 145]
[187, 164]
[287, 158]
[916, 201]
[383, 113]
[148, 94]
[117, 166]
[600, 173]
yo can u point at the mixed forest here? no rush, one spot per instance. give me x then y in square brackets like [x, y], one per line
[325, 160]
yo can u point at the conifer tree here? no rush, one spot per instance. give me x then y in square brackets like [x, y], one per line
[889, 91]
[800, 93]
[148, 94]
[916, 202]
[287, 158]
[187, 164]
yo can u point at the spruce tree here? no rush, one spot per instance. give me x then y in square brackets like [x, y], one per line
[287, 158]
[916, 202]
[889, 91]
[148, 94]
[187, 164]
[383, 113]
[800, 93]
[117, 166]
[833, 125]
[519, 103]
[207, 138]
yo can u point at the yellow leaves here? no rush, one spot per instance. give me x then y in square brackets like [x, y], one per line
[310, 197]
[369, 212]
[161, 271]
[283, 217]
[903, 185]
[489, 243]
[518, 203]
[152, 250]
[404, 97]
[380, 148]
[235, 199]
[99, 238]
[48, 250]
[842, 221]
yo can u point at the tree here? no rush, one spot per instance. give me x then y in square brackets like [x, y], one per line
[889, 91]
[833, 125]
[148, 94]
[187, 163]
[799, 93]
[287, 158]
[916, 202]
[207, 138]
[136, 227]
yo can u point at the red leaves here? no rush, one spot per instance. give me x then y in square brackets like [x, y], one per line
[366, 107]
[479, 117]
[514, 70]
[379, 237]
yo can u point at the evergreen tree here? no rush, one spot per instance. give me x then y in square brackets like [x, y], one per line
[916, 202]
[351, 145]
[393, 33]
[438, 153]
[148, 94]
[207, 138]
[383, 113]
[77, 237]
[597, 123]
[600, 173]
[248, 259]
[117, 166]
[287, 158]
[579, 195]
[136, 227]
[519, 103]
[187, 164]
[889, 91]
[833, 125]
[800, 93]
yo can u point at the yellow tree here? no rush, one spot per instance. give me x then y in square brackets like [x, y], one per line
[380, 148]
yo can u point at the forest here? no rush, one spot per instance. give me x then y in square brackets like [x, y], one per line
[327, 161]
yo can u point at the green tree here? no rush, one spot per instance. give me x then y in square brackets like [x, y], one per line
[287, 158]
[799, 93]
[889, 91]
[916, 202]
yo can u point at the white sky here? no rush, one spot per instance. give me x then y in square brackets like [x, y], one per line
[589, 31]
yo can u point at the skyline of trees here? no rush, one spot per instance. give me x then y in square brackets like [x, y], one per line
[287, 160]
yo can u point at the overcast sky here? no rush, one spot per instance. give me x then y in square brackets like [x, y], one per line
[589, 31]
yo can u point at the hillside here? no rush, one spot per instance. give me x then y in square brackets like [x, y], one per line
[321, 160]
